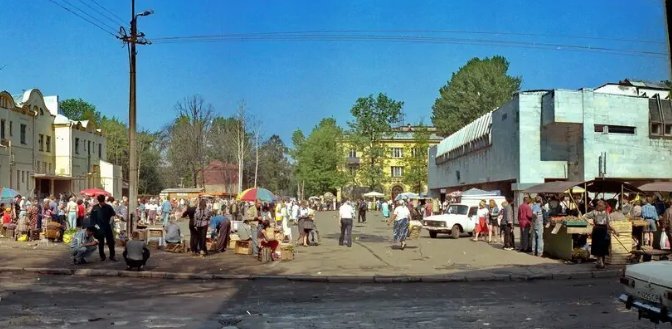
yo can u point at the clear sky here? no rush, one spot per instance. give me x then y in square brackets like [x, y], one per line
[292, 84]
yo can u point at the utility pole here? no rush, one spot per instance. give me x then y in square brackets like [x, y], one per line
[256, 163]
[133, 176]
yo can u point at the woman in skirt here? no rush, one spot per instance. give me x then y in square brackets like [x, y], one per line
[600, 236]
[483, 215]
[400, 217]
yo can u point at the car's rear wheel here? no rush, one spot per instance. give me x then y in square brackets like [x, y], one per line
[455, 232]
[433, 234]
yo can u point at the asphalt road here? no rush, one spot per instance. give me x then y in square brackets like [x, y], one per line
[36, 301]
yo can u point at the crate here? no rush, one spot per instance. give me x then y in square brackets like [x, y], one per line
[140, 234]
[286, 252]
[621, 226]
[619, 249]
[232, 241]
[243, 248]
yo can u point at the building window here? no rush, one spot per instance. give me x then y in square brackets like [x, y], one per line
[353, 153]
[23, 176]
[76, 145]
[11, 129]
[40, 140]
[397, 152]
[18, 179]
[23, 133]
[397, 171]
[2, 128]
[668, 130]
[48, 142]
[614, 129]
[88, 147]
[353, 170]
[656, 128]
[100, 151]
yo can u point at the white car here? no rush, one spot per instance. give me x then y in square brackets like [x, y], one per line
[648, 288]
[458, 219]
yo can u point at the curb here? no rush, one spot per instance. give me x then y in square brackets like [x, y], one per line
[441, 278]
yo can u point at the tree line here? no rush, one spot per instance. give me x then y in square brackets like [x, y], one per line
[317, 162]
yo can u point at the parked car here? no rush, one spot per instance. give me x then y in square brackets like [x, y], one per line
[648, 289]
[459, 218]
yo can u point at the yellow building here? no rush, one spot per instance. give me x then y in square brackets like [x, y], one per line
[397, 144]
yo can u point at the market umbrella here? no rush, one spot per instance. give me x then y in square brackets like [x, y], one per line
[373, 194]
[254, 194]
[406, 196]
[657, 187]
[94, 192]
[8, 193]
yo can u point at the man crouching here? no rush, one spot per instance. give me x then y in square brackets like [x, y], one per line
[83, 245]
[136, 254]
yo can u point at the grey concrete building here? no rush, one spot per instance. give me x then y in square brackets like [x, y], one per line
[547, 135]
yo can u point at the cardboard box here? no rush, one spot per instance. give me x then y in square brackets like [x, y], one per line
[286, 252]
[243, 248]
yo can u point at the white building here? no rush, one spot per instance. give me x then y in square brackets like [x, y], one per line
[43, 152]
[541, 136]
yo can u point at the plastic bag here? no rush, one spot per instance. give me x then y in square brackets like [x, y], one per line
[664, 242]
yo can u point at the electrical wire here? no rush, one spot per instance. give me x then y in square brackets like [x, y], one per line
[89, 15]
[103, 14]
[107, 10]
[304, 36]
[84, 18]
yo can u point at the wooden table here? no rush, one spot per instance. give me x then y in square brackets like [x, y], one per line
[647, 255]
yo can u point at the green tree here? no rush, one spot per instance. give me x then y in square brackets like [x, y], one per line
[373, 117]
[274, 169]
[318, 158]
[79, 109]
[415, 160]
[478, 87]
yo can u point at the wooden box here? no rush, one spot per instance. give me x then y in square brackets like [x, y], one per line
[286, 252]
[621, 243]
[232, 241]
[140, 234]
[243, 248]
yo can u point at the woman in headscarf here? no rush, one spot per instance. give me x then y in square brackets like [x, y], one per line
[401, 218]
[33, 222]
[600, 236]
[201, 223]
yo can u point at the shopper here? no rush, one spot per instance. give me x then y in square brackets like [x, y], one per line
[400, 217]
[600, 235]
[101, 215]
[346, 213]
[525, 217]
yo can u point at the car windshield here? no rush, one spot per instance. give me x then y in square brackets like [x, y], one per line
[457, 209]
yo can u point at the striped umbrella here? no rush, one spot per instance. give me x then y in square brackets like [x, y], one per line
[255, 194]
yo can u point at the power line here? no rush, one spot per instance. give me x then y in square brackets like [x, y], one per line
[89, 15]
[107, 10]
[84, 18]
[103, 14]
[329, 37]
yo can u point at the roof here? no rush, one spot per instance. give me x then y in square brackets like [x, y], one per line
[471, 132]
[183, 190]
[61, 119]
[644, 84]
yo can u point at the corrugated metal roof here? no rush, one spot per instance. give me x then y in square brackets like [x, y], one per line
[471, 132]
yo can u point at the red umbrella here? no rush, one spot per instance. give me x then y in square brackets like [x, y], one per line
[93, 192]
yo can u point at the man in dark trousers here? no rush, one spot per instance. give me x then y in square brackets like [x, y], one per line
[102, 214]
[193, 232]
[361, 218]
[525, 216]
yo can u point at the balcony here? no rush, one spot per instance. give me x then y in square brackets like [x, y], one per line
[353, 161]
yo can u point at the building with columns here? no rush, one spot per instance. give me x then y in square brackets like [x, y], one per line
[42, 152]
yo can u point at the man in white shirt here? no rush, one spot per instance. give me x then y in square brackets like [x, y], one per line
[346, 212]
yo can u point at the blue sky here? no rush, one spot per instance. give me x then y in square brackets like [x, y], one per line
[289, 85]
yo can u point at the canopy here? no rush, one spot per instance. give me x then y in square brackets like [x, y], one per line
[94, 192]
[554, 187]
[8, 193]
[255, 194]
[406, 196]
[657, 187]
[373, 194]
[610, 186]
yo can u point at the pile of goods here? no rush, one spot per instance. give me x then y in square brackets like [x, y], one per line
[573, 221]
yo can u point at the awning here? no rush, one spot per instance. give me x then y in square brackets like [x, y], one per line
[553, 187]
[610, 186]
[656, 187]
[54, 177]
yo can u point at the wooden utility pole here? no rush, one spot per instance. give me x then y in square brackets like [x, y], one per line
[133, 176]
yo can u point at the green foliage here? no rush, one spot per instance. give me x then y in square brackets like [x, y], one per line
[274, 170]
[78, 109]
[318, 158]
[373, 117]
[480, 86]
[415, 160]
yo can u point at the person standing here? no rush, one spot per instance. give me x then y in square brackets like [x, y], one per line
[600, 235]
[201, 222]
[193, 233]
[400, 217]
[666, 223]
[385, 210]
[538, 227]
[72, 213]
[166, 209]
[493, 221]
[525, 217]
[507, 225]
[346, 214]
[650, 214]
[483, 215]
[102, 214]
[361, 218]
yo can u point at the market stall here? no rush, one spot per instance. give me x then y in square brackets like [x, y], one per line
[565, 236]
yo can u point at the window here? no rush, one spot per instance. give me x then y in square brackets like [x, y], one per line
[23, 176]
[48, 143]
[11, 129]
[18, 178]
[23, 133]
[353, 170]
[352, 153]
[88, 148]
[397, 152]
[397, 171]
[668, 129]
[40, 140]
[656, 128]
[38, 166]
[614, 129]
[2, 128]
[76, 145]
[100, 151]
